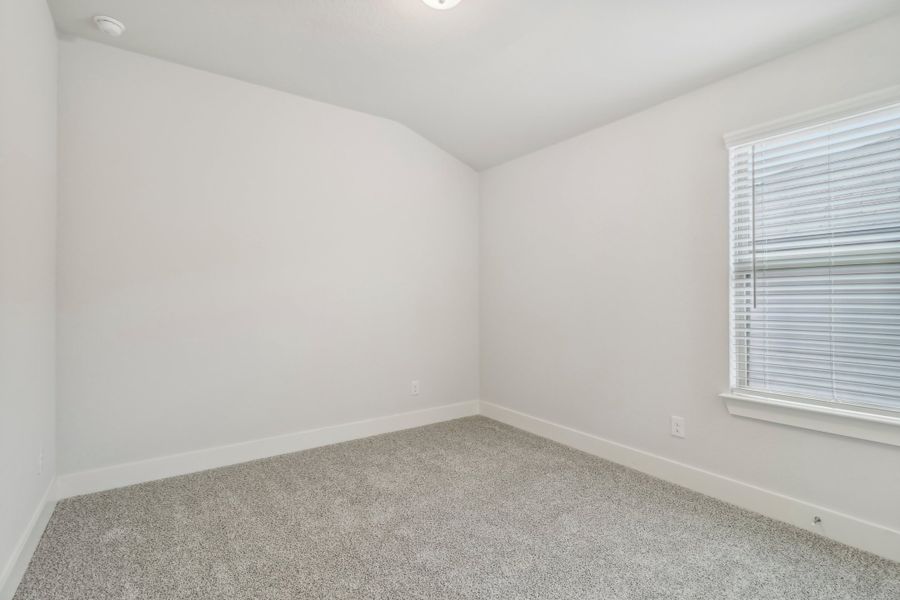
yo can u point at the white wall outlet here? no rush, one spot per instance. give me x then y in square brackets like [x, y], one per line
[678, 426]
[414, 387]
[40, 462]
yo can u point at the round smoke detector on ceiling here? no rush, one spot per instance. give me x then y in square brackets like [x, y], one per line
[441, 4]
[109, 26]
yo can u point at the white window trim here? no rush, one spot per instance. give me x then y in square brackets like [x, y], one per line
[812, 118]
[829, 417]
[839, 419]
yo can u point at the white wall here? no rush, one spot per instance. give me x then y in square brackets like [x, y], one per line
[604, 282]
[237, 262]
[28, 68]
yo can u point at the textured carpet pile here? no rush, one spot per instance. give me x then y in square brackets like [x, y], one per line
[464, 509]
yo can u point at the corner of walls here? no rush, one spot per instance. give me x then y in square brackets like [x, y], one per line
[24, 549]
[28, 207]
[96, 480]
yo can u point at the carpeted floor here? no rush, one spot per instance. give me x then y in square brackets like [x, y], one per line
[464, 509]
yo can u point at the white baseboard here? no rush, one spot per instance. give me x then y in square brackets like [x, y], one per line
[107, 478]
[840, 527]
[15, 567]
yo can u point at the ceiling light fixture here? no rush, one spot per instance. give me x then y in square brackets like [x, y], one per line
[109, 26]
[441, 4]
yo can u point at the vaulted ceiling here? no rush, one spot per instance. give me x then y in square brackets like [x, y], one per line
[489, 80]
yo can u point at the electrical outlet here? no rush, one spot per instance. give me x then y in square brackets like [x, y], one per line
[678, 426]
[40, 465]
[414, 387]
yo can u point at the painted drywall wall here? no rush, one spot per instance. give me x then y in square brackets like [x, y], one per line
[604, 282]
[237, 263]
[28, 70]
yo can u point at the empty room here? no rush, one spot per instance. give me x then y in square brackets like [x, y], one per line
[449, 299]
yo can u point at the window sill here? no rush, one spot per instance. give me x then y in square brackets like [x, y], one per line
[849, 421]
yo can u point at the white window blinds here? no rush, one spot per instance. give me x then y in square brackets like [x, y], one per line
[815, 262]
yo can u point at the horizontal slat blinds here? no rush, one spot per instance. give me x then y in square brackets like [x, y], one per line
[815, 248]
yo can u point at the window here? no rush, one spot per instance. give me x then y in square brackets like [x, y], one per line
[815, 263]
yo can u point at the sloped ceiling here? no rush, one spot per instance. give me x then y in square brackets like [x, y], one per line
[489, 80]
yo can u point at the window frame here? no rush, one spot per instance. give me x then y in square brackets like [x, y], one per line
[861, 422]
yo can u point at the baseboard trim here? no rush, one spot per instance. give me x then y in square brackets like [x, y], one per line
[15, 567]
[107, 478]
[840, 527]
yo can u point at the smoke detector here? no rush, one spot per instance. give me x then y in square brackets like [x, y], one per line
[441, 4]
[109, 26]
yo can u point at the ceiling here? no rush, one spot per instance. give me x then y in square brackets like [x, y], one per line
[489, 80]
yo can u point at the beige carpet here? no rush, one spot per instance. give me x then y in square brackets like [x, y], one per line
[465, 509]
